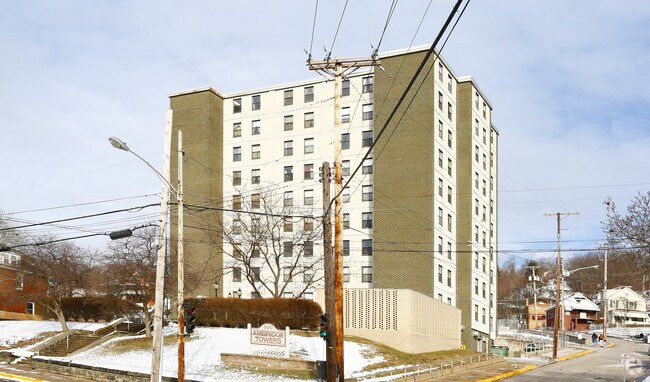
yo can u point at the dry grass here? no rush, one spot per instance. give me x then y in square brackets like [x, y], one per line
[30, 341]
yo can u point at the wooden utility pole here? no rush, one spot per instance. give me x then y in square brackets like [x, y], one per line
[558, 292]
[336, 316]
[605, 295]
[330, 346]
[181, 272]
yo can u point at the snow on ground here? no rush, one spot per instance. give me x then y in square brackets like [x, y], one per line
[202, 352]
[12, 332]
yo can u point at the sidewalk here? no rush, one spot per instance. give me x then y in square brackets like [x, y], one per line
[513, 366]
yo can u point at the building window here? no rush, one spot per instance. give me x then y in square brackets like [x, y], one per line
[236, 274]
[449, 166]
[476, 234]
[345, 141]
[366, 274]
[476, 313]
[449, 83]
[449, 250]
[345, 195]
[288, 148]
[440, 129]
[449, 223]
[476, 181]
[484, 187]
[367, 166]
[345, 168]
[366, 138]
[288, 97]
[449, 138]
[448, 300]
[308, 224]
[308, 170]
[236, 202]
[476, 126]
[288, 173]
[346, 247]
[236, 105]
[345, 88]
[449, 193]
[448, 278]
[449, 110]
[366, 195]
[308, 277]
[257, 102]
[20, 281]
[476, 207]
[484, 213]
[309, 94]
[366, 247]
[256, 176]
[366, 220]
[346, 274]
[288, 122]
[236, 178]
[309, 120]
[309, 197]
[483, 290]
[255, 201]
[256, 127]
[440, 186]
[288, 198]
[30, 308]
[440, 245]
[483, 315]
[255, 273]
[346, 220]
[288, 224]
[440, 158]
[367, 112]
[236, 251]
[484, 114]
[476, 260]
[439, 273]
[476, 151]
[476, 286]
[345, 115]
[309, 145]
[440, 100]
[367, 83]
[236, 154]
[236, 226]
[236, 129]
[256, 152]
[440, 71]
[484, 162]
[309, 248]
[484, 136]
[255, 248]
[439, 216]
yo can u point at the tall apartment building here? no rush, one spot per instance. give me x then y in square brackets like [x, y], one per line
[420, 214]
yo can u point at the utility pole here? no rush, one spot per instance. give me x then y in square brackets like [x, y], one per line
[337, 65]
[181, 272]
[330, 346]
[558, 294]
[533, 267]
[605, 303]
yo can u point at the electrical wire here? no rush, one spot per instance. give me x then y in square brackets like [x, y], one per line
[313, 29]
[337, 30]
[388, 18]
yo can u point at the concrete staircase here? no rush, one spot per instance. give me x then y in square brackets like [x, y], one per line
[70, 344]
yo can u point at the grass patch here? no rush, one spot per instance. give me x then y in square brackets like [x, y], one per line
[30, 341]
[140, 343]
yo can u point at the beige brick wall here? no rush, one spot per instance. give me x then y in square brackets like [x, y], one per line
[200, 117]
[404, 188]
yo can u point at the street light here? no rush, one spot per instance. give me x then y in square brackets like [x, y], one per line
[239, 293]
[156, 361]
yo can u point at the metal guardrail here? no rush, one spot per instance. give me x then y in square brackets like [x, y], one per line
[390, 375]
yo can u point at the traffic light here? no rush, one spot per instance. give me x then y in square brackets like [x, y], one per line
[324, 318]
[190, 318]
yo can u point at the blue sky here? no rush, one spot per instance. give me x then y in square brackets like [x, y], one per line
[568, 82]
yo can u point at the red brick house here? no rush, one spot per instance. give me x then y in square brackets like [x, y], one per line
[579, 312]
[14, 287]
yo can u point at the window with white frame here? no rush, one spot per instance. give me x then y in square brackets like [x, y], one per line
[256, 152]
[346, 220]
[256, 176]
[450, 192]
[309, 120]
[440, 128]
[236, 105]
[288, 173]
[439, 273]
[308, 170]
[288, 122]
[366, 247]
[366, 138]
[440, 70]
[440, 245]
[236, 178]
[367, 111]
[286, 274]
[308, 224]
[308, 276]
[256, 127]
[236, 154]
[366, 274]
[236, 202]
[236, 129]
[31, 308]
[449, 83]
[255, 201]
[345, 141]
[345, 196]
[345, 114]
[309, 145]
[450, 140]
[440, 214]
[367, 166]
[288, 224]
[440, 100]
[288, 148]
[367, 83]
[288, 198]
[450, 110]
[440, 186]
[308, 197]
[449, 250]
[309, 248]
[345, 88]
[287, 249]
[476, 313]
[236, 274]
[255, 273]
[440, 158]
[256, 102]
[309, 94]
[346, 274]
[449, 278]
[450, 165]
[366, 195]
[345, 168]
[346, 247]
[366, 220]
[288, 97]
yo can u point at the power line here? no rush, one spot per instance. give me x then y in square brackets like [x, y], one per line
[313, 29]
[391, 10]
[337, 29]
[80, 204]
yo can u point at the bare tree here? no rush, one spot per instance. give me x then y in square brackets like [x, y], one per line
[271, 245]
[130, 270]
[61, 267]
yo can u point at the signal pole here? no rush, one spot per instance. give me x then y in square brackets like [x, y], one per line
[558, 294]
[337, 65]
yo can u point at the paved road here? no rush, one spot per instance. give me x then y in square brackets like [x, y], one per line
[601, 365]
[24, 373]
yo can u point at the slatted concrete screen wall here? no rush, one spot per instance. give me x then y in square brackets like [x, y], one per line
[370, 309]
[400, 318]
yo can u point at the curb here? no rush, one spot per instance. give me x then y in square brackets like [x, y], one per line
[576, 355]
[509, 374]
[20, 378]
